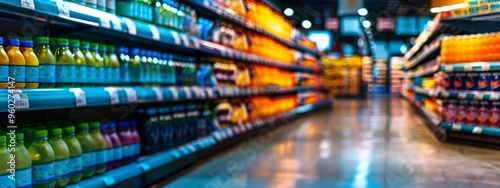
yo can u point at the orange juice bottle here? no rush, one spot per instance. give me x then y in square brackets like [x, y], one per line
[4, 66]
[17, 63]
[32, 63]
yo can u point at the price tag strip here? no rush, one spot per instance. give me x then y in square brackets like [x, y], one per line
[80, 98]
[155, 32]
[174, 92]
[29, 4]
[159, 94]
[131, 95]
[477, 130]
[113, 95]
[188, 92]
[62, 8]
[130, 26]
[177, 39]
[21, 100]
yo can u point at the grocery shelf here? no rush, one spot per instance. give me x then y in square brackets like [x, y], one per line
[435, 33]
[470, 95]
[141, 169]
[425, 72]
[231, 16]
[476, 23]
[117, 27]
[471, 67]
[43, 99]
[431, 116]
[430, 54]
[423, 91]
[472, 129]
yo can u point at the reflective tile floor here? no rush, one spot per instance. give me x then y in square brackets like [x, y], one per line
[358, 143]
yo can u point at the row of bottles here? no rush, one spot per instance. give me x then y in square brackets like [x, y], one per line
[104, 5]
[68, 157]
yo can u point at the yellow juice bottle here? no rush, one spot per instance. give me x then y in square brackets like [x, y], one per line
[65, 64]
[107, 75]
[114, 65]
[47, 63]
[17, 63]
[32, 69]
[23, 163]
[42, 157]
[80, 63]
[4, 66]
[90, 62]
[98, 63]
[6, 178]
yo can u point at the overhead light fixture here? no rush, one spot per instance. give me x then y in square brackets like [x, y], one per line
[362, 12]
[367, 24]
[449, 7]
[288, 12]
[306, 24]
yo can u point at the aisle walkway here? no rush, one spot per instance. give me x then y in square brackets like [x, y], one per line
[379, 143]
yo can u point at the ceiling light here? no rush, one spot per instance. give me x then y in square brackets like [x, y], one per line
[449, 7]
[306, 24]
[362, 11]
[367, 24]
[288, 12]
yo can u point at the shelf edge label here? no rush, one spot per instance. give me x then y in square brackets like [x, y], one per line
[80, 98]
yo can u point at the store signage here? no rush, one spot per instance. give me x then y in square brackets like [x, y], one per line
[441, 3]
[385, 24]
[349, 7]
[406, 25]
[332, 24]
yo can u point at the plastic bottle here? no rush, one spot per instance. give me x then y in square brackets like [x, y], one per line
[47, 63]
[29, 137]
[80, 63]
[123, 59]
[17, 63]
[134, 66]
[42, 157]
[117, 145]
[143, 68]
[162, 130]
[109, 147]
[65, 64]
[32, 70]
[88, 150]
[484, 114]
[100, 147]
[91, 3]
[90, 62]
[149, 68]
[462, 112]
[23, 163]
[472, 112]
[4, 66]
[450, 113]
[75, 154]
[101, 5]
[98, 63]
[136, 140]
[114, 65]
[127, 142]
[61, 162]
[494, 120]
[5, 181]
[108, 77]
[111, 6]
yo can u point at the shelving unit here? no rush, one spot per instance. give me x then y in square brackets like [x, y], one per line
[426, 56]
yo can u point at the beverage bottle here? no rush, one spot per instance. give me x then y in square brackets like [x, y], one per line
[5, 181]
[42, 157]
[90, 63]
[143, 67]
[157, 12]
[4, 66]
[65, 64]
[151, 131]
[127, 143]
[101, 5]
[117, 145]
[47, 63]
[124, 66]
[162, 69]
[494, 120]
[149, 68]
[53, 45]
[472, 112]
[154, 69]
[91, 3]
[98, 63]
[107, 77]
[32, 70]
[114, 65]
[462, 112]
[29, 136]
[80, 63]
[23, 163]
[17, 63]
[111, 6]
[61, 162]
[162, 130]
[134, 66]
[88, 150]
[136, 140]
[75, 154]
[100, 147]
[484, 114]
[109, 147]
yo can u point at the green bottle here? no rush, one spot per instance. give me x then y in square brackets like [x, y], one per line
[53, 44]
[42, 157]
[98, 63]
[29, 137]
[75, 154]
[6, 178]
[65, 64]
[114, 64]
[89, 59]
[107, 77]
[80, 63]
[47, 63]
[23, 162]
[100, 147]
[88, 150]
[61, 162]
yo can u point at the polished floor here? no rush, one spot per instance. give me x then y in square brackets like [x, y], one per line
[358, 143]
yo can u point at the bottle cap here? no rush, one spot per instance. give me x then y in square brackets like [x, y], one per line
[56, 131]
[111, 48]
[102, 47]
[41, 133]
[42, 40]
[74, 42]
[144, 52]
[84, 45]
[62, 42]
[95, 125]
[164, 56]
[133, 124]
[69, 129]
[123, 125]
[134, 52]
[104, 126]
[112, 126]
[12, 42]
[94, 46]
[26, 43]
[19, 136]
[3, 139]
[83, 125]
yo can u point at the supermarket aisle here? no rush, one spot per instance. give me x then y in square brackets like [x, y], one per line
[375, 143]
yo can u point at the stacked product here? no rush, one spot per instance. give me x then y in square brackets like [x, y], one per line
[343, 75]
[396, 74]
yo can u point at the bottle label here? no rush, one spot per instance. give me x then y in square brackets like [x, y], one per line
[43, 173]
[117, 153]
[75, 165]
[127, 151]
[110, 155]
[101, 157]
[99, 75]
[108, 73]
[91, 74]
[116, 74]
[4, 73]
[18, 72]
[132, 150]
[23, 178]
[81, 74]
[88, 160]
[65, 73]
[6, 182]
[32, 73]
[61, 168]
[47, 73]
[137, 149]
